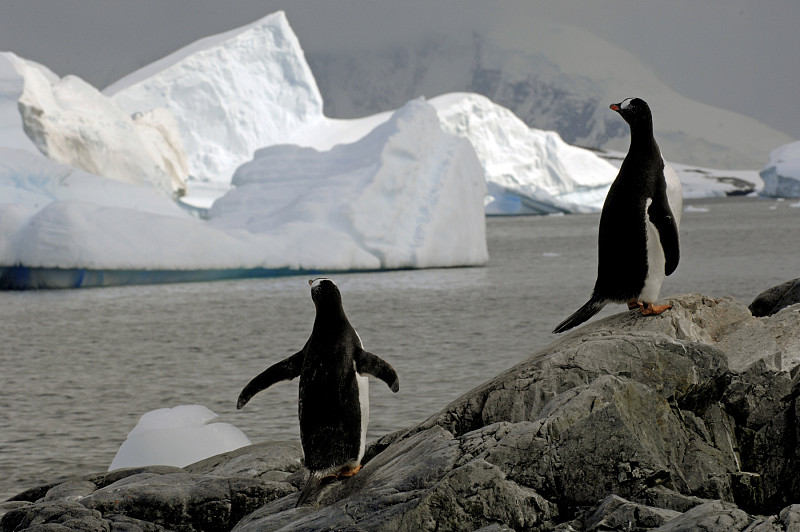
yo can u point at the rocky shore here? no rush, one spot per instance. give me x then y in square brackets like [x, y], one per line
[685, 421]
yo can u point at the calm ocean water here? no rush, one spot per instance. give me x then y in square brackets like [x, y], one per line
[78, 368]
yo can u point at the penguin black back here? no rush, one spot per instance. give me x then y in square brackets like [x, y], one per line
[638, 233]
[333, 403]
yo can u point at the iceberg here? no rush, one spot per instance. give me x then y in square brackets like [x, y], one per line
[405, 195]
[527, 171]
[781, 175]
[553, 76]
[408, 195]
[177, 437]
[231, 94]
[702, 182]
[71, 122]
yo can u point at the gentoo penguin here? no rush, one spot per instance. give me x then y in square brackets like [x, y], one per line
[638, 238]
[334, 389]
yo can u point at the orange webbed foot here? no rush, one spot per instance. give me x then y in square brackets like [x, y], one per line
[348, 472]
[648, 309]
[632, 304]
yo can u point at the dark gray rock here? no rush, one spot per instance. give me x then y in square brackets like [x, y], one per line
[717, 516]
[785, 327]
[424, 482]
[790, 517]
[60, 515]
[275, 461]
[196, 502]
[616, 513]
[774, 299]
[690, 419]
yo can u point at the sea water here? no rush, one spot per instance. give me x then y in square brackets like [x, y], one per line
[79, 367]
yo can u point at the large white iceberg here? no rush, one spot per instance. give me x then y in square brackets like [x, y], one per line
[405, 195]
[231, 94]
[178, 437]
[781, 175]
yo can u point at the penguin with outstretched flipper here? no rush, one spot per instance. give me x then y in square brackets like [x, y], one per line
[334, 389]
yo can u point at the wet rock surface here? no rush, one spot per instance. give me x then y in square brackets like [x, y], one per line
[776, 298]
[683, 421]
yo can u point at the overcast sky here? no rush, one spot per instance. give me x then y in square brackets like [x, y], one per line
[735, 54]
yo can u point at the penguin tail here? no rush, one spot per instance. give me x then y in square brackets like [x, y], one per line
[589, 309]
[313, 482]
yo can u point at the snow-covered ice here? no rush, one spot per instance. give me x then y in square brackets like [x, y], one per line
[405, 195]
[528, 171]
[781, 175]
[231, 94]
[71, 122]
[553, 76]
[178, 437]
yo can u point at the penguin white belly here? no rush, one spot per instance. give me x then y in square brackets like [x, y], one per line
[655, 261]
[363, 401]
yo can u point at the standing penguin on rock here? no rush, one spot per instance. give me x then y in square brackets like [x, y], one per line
[334, 389]
[638, 239]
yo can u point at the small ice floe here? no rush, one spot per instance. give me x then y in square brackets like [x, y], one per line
[695, 208]
[178, 437]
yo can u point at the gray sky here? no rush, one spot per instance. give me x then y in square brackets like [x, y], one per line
[735, 54]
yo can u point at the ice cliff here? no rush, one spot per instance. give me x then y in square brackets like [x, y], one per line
[70, 122]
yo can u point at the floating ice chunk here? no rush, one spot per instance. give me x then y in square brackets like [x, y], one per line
[781, 175]
[177, 436]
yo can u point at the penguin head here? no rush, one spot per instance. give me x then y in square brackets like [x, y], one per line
[324, 292]
[633, 110]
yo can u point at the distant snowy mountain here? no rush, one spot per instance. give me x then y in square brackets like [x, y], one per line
[561, 79]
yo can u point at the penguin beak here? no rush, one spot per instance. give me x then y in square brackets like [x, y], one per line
[615, 107]
[310, 282]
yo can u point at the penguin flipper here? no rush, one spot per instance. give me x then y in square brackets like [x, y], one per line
[667, 228]
[367, 363]
[589, 309]
[284, 370]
